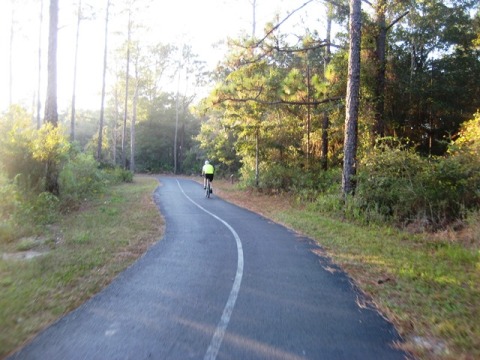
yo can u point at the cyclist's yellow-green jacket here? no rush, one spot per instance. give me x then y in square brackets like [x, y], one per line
[208, 169]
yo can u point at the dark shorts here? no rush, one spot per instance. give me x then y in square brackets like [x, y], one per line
[209, 176]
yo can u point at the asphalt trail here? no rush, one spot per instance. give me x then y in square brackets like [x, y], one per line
[223, 283]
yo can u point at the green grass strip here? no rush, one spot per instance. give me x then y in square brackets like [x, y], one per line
[86, 250]
[427, 288]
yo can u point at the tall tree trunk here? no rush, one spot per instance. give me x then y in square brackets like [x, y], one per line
[39, 79]
[51, 113]
[127, 77]
[326, 120]
[379, 127]
[257, 155]
[177, 110]
[254, 17]
[10, 58]
[380, 65]
[115, 126]
[309, 115]
[324, 155]
[102, 106]
[352, 100]
[181, 146]
[75, 63]
[134, 115]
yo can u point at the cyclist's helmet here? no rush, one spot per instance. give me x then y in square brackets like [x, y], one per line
[206, 162]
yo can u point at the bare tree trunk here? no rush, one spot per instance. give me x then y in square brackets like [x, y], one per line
[254, 17]
[10, 58]
[257, 157]
[177, 110]
[51, 112]
[380, 65]
[352, 100]
[127, 77]
[181, 147]
[39, 79]
[326, 120]
[74, 91]
[102, 106]
[325, 126]
[309, 115]
[115, 130]
[134, 115]
[382, 29]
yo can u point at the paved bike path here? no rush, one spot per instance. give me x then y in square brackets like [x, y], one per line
[190, 296]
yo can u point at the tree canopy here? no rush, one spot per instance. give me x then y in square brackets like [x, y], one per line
[278, 111]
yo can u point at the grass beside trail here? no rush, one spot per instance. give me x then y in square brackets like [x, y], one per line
[84, 251]
[429, 287]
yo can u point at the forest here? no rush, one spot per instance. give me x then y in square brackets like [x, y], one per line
[373, 111]
[362, 115]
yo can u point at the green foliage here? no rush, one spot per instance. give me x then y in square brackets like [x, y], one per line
[83, 177]
[436, 85]
[305, 184]
[34, 209]
[44, 208]
[267, 101]
[80, 178]
[49, 144]
[9, 196]
[16, 157]
[8, 231]
[218, 143]
[120, 175]
[155, 137]
[398, 184]
[8, 208]
[25, 153]
[467, 143]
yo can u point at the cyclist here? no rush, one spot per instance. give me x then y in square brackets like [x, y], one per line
[207, 171]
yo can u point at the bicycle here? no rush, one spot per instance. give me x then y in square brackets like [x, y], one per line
[208, 189]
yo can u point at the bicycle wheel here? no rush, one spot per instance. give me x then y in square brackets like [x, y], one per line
[207, 191]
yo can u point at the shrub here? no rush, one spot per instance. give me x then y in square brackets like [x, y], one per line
[25, 152]
[8, 231]
[8, 208]
[16, 157]
[388, 182]
[80, 178]
[398, 184]
[314, 183]
[125, 175]
[45, 208]
[120, 175]
[9, 196]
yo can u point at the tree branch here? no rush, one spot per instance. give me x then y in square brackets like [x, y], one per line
[314, 47]
[269, 49]
[279, 102]
[280, 23]
[397, 19]
[340, 6]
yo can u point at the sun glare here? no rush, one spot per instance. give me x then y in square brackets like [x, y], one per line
[200, 24]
